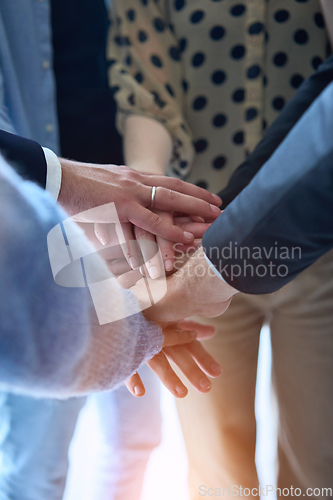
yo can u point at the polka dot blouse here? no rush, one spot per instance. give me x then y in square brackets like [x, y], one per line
[216, 73]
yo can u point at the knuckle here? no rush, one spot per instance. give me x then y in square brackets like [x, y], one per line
[139, 232]
[177, 183]
[160, 359]
[129, 183]
[155, 221]
[172, 194]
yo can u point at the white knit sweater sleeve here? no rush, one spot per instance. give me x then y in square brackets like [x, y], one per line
[51, 343]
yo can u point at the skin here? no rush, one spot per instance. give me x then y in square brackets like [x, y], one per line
[181, 338]
[194, 289]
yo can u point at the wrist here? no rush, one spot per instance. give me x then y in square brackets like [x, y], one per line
[69, 184]
[148, 166]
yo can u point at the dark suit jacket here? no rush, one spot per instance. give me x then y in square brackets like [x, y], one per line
[26, 157]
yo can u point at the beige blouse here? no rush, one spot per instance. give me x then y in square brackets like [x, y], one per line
[216, 73]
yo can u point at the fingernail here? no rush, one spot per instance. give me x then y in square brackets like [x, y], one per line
[133, 263]
[215, 209]
[180, 389]
[205, 384]
[137, 390]
[142, 271]
[201, 218]
[102, 239]
[188, 236]
[218, 199]
[168, 265]
[153, 272]
[216, 369]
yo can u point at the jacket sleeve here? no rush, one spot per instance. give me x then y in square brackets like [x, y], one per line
[26, 157]
[282, 221]
[51, 343]
[146, 72]
[306, 94]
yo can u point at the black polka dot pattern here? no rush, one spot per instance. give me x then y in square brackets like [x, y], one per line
[280, 59]
[253, 72]
[238, 137]
[131, 15]
[174, 53]
[217, 33]
[197, 16]
[156, 61]
[170, 89]
[238, 95]
[179, 4]
[159, 24]
[142, 36]
[296, 81]
[219, 162]
[200, 145]
[203, 56]
[199, 103]
[238, 10]
[319, 20]
[218, 77]
[301, 37]
[238, 51]
[278, 103]
[256, 28]
[251, 114]
[198, 59]
[281, 16]
[219, 120]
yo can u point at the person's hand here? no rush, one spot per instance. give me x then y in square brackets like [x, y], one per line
[194, 289]
[138, 252]
[169, 249]
[181, 346]
[91, 188]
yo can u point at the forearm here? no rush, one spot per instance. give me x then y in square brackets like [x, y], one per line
[147, 145]
[279, 224]
[51, 341]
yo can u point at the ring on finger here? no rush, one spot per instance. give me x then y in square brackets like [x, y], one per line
[152, 197]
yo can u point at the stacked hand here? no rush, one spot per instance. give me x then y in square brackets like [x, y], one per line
[182, 212]
[181, 346]
[92, 189]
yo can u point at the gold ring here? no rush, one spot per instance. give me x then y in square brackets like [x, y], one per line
[152, 198]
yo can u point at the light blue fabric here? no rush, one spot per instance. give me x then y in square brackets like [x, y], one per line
[27, 85]
[48, 344]
[35, 434]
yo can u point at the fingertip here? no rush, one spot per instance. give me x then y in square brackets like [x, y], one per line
[216, 211]
[188, 236]
[217, 199]
[133, 263]
[139, 391]
[180, 391]
[168, 264]
[205, 385]
[154, 272]
[101, 238]
[216, 370]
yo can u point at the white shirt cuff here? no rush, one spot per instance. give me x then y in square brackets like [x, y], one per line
[53, 175]
[214, 268]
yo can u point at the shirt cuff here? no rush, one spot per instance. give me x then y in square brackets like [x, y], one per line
[53, 175]
[214, 268]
